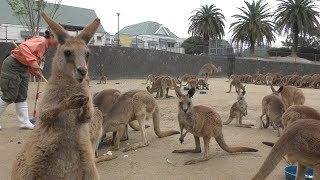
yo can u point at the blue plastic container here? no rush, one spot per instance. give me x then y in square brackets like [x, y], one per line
[290, 172]
[33, 120]
[203, 92]
[186, 88]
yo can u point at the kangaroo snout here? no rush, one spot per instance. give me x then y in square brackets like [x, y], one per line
[82, 71]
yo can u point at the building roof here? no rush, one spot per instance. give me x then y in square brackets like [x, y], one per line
[147, 28]
[66, 15]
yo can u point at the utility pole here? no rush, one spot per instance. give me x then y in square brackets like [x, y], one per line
[118, 14]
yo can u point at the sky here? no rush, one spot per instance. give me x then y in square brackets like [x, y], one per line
[173, 14]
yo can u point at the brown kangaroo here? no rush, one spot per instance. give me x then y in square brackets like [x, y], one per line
[203, 122]
[134, 105]
[290, 95]
[301, 143]
[237, 84]
[59, 146]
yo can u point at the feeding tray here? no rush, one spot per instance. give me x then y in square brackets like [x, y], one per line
[290, 172]
[186, 88]
[203, 92]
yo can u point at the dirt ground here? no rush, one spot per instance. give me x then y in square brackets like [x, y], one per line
[150, 162]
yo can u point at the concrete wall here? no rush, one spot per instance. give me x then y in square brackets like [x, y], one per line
[120, 62]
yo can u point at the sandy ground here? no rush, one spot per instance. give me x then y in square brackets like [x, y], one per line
[150, 162]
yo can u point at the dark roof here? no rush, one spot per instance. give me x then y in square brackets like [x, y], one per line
[146, 28]
[66, 15]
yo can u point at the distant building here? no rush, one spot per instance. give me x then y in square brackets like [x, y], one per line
[73, 19]
[151, 35]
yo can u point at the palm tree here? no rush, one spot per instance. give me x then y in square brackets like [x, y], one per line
[253, 26]
[296, 17]
[207, 22]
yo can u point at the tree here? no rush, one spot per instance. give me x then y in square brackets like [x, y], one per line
[253, 26]
[310, 40]
[194, 45]
[28, 13]
[207, 22]
[294, 17]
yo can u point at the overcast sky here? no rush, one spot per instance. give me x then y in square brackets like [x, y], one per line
[173, 14]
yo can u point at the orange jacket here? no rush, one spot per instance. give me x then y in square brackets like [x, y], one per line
[33, 52]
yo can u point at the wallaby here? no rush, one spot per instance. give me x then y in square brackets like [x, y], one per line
[59, 146]
[273, 108]
[203, 122]
[301, 143]
[238, 110]
[290, 95]
[134, 105]
[237, 84]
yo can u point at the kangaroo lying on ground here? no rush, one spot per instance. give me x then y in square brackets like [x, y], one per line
[134, 105]
[273, 107]
[290, 95]
[203, 122]
[238, 110]
[59, 146]
[301, 143]
[237, 84]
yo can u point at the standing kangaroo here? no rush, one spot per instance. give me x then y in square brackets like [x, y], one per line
[301, 143]
[238, 110]
[59, 147]
[203, 122]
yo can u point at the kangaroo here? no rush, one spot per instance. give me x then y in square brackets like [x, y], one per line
[315, 82]
[103, 79]
[203, 122]
[305, 81]
[104, 101]
[237, 84]
[59, 146]
[301, 143]
[202, 84]
[151, 78]
[193, 83]
[134, 105]
[208, 69]
[295, 112]
[273, 108]
[269, 79]
[156, 87]
[238, 110]
[290, 95]
[186, 78]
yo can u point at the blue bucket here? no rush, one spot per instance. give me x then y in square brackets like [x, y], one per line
[186, 88]
[203, 92]
[290, 172]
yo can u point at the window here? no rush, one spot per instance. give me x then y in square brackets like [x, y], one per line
[170, 44]
[99, 38]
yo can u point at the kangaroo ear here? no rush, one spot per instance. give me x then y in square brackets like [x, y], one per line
[280, 89]
[88, 31]
[57, 29]
[191, 92]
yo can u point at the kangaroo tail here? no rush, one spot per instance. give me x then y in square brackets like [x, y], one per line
[224, 146]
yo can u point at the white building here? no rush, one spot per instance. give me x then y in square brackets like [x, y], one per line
[71, 18]
[151, 35]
